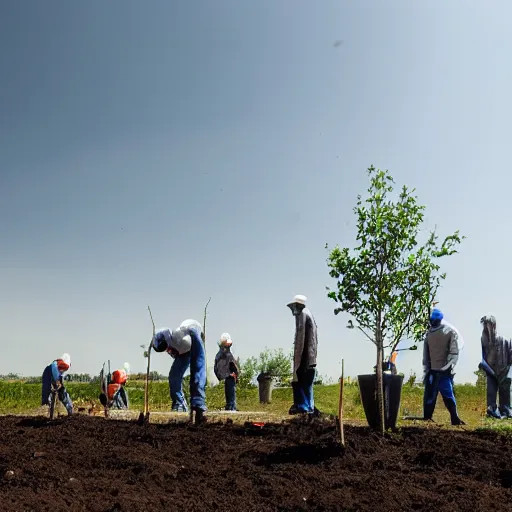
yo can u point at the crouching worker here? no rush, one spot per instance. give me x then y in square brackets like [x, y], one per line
[226, 370]
[440, 356]
[114, 393]
[304, 359]
[53, 383]
[185, 346]
[497, 363]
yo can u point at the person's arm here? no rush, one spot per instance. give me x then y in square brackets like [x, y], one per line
[453, 351]
[484, 365]
[426, 355]
[300, 337]
[55, 372]
[216, 367]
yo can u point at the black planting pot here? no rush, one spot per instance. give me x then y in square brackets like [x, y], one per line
[392, 396]
[265, 385]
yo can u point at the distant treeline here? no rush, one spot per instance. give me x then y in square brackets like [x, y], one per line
[80, 377]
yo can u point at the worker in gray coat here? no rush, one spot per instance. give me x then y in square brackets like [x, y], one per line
[496, 362]
[440, 356]
[304, 357]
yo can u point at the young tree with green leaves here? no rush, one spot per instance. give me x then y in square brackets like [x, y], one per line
[389, 281]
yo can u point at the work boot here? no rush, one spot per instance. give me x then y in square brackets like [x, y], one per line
[294, 410]
[179, 408]
[316, 413]
[505, 412]
[493, 412]
[200, 418]
[452, 409]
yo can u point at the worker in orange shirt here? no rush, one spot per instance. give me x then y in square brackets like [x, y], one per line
[114, 394]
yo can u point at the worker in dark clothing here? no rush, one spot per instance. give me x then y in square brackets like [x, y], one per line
[304, 358]
[440, 356]
[226, 370]
[497, 363]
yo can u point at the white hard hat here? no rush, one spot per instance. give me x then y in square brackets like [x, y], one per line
[67, 359]
[126, 367]
[298, 299]
[225, 339]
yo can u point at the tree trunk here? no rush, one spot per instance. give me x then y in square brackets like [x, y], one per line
[380, 380]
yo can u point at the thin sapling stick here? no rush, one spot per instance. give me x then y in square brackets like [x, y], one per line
[204, 338]
[340, 406]
[146, 387]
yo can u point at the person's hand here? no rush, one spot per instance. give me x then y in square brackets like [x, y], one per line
[233, 375]
[57, 384]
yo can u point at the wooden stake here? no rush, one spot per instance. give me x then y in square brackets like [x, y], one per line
[340, 405]
[204, 339]
[146, 386]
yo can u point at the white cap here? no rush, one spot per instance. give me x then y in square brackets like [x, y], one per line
[298, 299]
[67, 359]
[225, 339]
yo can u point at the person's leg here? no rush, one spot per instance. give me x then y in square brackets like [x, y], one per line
[504, 392]
[430, 395]
[307, 389]
[65, 399]
[197, 375]
[492, 391]
[229, 387]
[446, 390]
[124, 397]
[47, 386]
[120, 400]
[301, 403]
[178, 369]
[294, 409]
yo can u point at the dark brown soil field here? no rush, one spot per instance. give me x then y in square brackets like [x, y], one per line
[92, 464]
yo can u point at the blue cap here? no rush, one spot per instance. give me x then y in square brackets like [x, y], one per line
[436, 315]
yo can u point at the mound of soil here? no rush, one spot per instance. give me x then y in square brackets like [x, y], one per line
[92, 464]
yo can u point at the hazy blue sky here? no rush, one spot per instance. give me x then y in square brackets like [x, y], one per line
[163, 152]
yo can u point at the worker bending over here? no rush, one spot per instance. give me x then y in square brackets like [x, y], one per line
[185, 346]
[53, 381]
[227, 370]
[114, 394]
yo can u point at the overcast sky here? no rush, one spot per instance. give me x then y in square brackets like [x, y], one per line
[162, 152]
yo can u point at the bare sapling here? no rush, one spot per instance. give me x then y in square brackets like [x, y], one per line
[340, 404]
[144, 417]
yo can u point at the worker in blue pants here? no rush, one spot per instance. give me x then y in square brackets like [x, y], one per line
[304, 358]
[440, 356]
[53, 377]
[185, 345]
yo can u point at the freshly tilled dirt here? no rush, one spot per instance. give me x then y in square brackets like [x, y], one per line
[92, 464]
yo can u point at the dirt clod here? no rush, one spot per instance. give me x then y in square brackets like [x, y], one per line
[108, 465]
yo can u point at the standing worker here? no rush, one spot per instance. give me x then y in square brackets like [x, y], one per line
[496, 362]
[440, 356]
[185, 346]
[227, 370]
[304, 358]
[53, 380]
